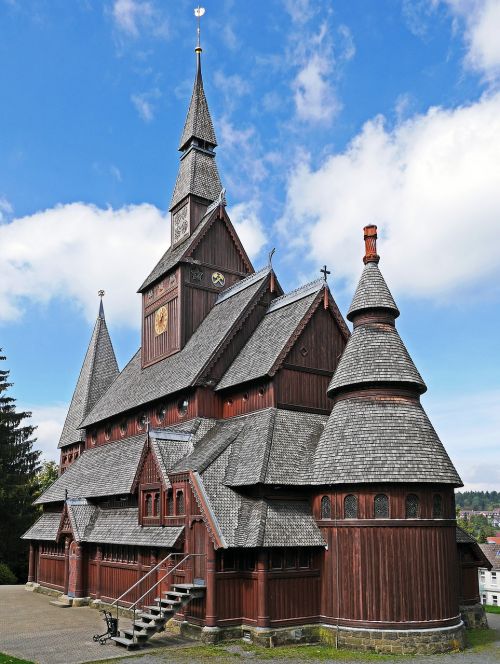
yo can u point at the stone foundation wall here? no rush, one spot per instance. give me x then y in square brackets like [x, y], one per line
[474, 616]
[399, 642]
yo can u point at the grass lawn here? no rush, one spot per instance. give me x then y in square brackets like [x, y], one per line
[9, 659]
[489, 608]
[478, 639]
[242, 651]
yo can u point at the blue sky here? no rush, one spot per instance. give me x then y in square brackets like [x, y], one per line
[329, 115]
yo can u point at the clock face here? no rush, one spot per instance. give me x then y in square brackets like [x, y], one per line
[161, 320]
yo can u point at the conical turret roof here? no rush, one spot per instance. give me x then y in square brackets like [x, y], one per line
[372, 293]
[377, 430]
[98, 371]
[375, 354]
[198, 121]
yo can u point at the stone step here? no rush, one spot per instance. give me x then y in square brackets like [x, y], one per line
[168, 602]
[188, 586]
[154, 617]
[148, 626]
[130, 633]
[127, 643]
[153, 609]
[59, 604]
[175, 593]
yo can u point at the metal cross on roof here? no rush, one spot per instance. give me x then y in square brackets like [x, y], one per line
[325, 272]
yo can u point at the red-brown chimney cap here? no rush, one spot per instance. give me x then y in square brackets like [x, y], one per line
[370, 235]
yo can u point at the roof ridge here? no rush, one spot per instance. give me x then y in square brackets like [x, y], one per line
[296, 294]
[242, 284]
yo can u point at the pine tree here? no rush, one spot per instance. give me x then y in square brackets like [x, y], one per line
[18, 467]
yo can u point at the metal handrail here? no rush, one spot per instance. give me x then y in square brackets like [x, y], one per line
[188, 555]
[134, 605]
[145, 576]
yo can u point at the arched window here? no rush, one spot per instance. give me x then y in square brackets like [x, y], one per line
[170, 504]
[381, 506]
[326, 508]
[156, 504]
[149, 505]
[437, 506]
[412, 502]
[180, 503]
[350, 507]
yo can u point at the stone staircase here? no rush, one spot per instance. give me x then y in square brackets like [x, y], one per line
[152, 619]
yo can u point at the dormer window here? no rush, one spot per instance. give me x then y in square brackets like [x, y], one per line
[141, 421]
[182, 406]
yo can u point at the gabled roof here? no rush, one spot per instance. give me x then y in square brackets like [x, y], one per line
[45, 528]
[98, 371]
[121, 526]
[136, 386]
[269, 446]
[182, 251]
[492, 553]
[383, 440]
[198, 121]
[375, 354]
[106, 470]
[91, 523]
[372, 293]
[260, 354]
[198, 175]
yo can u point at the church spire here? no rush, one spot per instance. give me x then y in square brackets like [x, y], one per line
[198, 183]
[99, 369]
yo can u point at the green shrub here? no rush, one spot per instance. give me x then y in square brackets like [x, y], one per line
[7, 577]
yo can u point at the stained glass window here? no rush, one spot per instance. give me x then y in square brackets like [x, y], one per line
[381, 506]
[411, 506]
[350, 507]
[180, 502]
[437, 506]
[326, 508]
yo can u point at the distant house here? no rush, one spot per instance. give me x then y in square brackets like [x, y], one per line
[489, 579]
[471, 558]
[494, 539]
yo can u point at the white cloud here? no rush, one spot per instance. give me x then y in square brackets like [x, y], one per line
[133, 17]
[49, 421]
[145, 104]
[6, 209]
[469, 427]
[245, 217]
[482, 34]
[300, 11]
[314, 97]
[71, 251]
[432, 184]
[233, 87]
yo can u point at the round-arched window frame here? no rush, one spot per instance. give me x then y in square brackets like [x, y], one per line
[412, 506]
[381, 506]
[326, 507]
[351, 507]
[437, 506]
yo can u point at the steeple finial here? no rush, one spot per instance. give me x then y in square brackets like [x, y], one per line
[370, 236]
[101, 294]
[198, 12]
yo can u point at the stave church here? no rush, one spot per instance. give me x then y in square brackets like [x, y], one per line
[261, 468]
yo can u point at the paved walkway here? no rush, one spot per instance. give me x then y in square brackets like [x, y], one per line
[31, 628]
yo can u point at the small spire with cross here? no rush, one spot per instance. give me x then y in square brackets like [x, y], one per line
[325, 273]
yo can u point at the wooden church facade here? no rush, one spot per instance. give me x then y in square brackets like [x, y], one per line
[287, 462]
